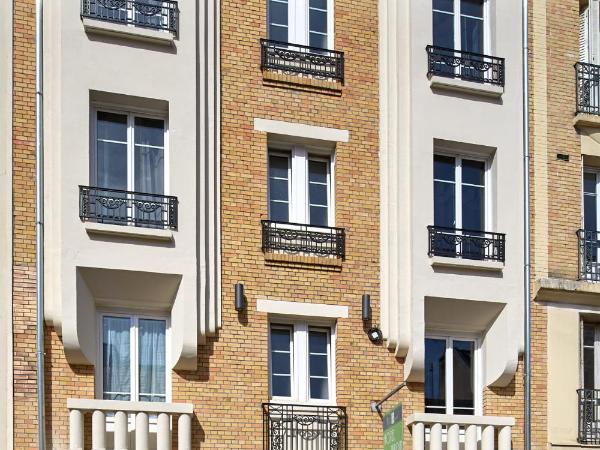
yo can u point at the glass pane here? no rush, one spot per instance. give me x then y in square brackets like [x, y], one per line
[588, 368]
[317, 194]
[589, 183]
[278, 33]
[443, 30]
[444, 5]
[463, 353]
[472, 8]
[435, 375]
[471, 32]
[111, 165]
[319, 216]
[149, 170]
[116, 369]
[318, 40]
[149, 132]
[318, 366]
[278, 12]
[444, 204]
[152, 359]
[280, 363]
[319, 388]
[320, 4]
[444, 168]
[473, 172]
[317, 171]
[279, 212]
[473, 208]
[280, 340]
[112, 127]
[318, 21]
[590, 213]
[589, 333]
[278, 167]
[278, 189]
[281, 386]
[318, 342]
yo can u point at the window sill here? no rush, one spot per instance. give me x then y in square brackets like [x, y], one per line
[468, 87]
[468, 264]
[150, 234]
[586, 120]
[303, 260]
[302, 82]
[127, 31]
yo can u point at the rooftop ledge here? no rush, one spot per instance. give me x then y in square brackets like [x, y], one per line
[562, 290]
[127, 31]
[468, 87]
[127, 231]
[468, 264]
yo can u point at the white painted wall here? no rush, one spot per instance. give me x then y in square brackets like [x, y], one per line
[412, 117]
[173, 78]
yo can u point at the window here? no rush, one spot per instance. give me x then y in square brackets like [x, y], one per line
[591, 189]
[300, 187]
[589, 26]
[451, 376]
[460, 25]
[129, 152]
[301, 363]
[133, 358]
[303, 22]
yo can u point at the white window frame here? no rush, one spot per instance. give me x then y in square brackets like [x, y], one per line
[300, 379]
[131, 114]
[134, 318]
[488, 195]
[298, 187]
[477, 369]
[487, 47]
[298, 22]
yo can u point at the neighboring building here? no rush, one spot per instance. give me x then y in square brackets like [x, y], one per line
[565, 150]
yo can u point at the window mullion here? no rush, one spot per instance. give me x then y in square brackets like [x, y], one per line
[130, 151]
[449, 378]
[457, 16]
[133, 357]
[458, 191]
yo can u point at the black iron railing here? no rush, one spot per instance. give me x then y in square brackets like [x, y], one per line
[589, 263]
[589, 416]
[303, 427]
[466, 244]
[117, 207]
[467, 66]
[588, 88]
[288, 237]
[294, 58]
[157, 14]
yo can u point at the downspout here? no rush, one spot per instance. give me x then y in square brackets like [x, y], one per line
[39, 219]
[527, 231]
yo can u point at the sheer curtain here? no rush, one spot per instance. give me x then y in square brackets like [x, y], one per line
[152, 360]
[116, 358]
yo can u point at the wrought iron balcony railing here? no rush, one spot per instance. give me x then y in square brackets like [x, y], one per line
[294, 58]
[466, 244]
[589, 248]
[588, 88]
[589, 416]
[303, 427]
[446, 62]
[288, 237]
[157, 14]
[117, 207]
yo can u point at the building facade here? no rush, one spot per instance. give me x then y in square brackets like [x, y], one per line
[260, 218]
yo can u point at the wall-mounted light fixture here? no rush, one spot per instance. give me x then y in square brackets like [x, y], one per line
[375, 335]
[240, 303]
[366, 307]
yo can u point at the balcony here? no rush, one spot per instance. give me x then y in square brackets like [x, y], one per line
[466, 244]
[589, 263]
[116, 207]
[158, 437]
[296, 238]
[291, 427]
[154, 14]
[478, 432]
[467, 66]
[589, 416]
[289, 58]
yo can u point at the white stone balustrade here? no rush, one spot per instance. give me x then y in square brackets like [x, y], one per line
[121, 410]
[494, 430]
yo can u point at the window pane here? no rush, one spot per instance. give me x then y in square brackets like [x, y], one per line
[278, 12]
[444, 168]
[590, 212]
[152, 359]
[281, 365]
[318, 40]
[463, 353]
[318, 366]
[471, 32]
[444, 5]
[149, 132]
[278, 33]
[281, 386]
[111, 165]
[116, 358]
[473, 172]
[435, 375]
[278, 167]
[472, 8]
[318, 194]
[319, 388]
[444, 204]
[588, 368]
[589, 183]
[280, 339]
[317, 171]
[443, 30]
[278, 189]
[589, 333]
[319, 216]
[112, 127]
[473, 208]
[149, 170]
[279, 212]
[318, 342]
[318, 21]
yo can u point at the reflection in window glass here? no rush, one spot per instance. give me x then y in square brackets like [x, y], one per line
[435, 376]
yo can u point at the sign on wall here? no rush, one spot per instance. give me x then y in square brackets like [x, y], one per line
[393, 429]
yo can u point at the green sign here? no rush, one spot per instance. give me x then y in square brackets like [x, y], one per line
[393, 429]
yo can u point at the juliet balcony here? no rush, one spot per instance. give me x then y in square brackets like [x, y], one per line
[588, 88]
[589, 263]
[287, 58]
[466, 244]
[467, 66]
[162, 15]
[589, 417]
[292, 427]
[117, 207]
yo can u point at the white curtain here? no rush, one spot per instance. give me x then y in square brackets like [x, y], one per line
[116, 358]
[152, 360]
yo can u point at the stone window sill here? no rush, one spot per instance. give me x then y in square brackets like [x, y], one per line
[469, 87]
[150, 234]
[468, 264]
[127, 31]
